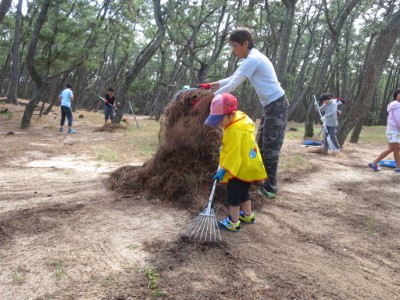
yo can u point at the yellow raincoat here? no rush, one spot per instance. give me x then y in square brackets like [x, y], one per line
[240, 155]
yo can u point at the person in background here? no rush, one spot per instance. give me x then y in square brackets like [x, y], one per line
[392, 134]
[257, 68]
[109, 105]
[330, 119]
[240, 162]
[66, 97]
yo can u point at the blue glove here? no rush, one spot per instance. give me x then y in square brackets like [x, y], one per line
[219, 175]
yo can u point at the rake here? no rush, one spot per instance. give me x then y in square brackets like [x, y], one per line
[51, 122]
[204, 228]
[104, 100]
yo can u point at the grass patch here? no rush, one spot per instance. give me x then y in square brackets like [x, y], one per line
[108, 155]
[17, 274]
[133, 246]
[369, 226]
[144, 146]
[110, 280]
[296, 130]
[293, 163]
[67, 171]
[154, 276]
[59, 271]
[8, 115]
[373, 135]
[369, 134]
[139, 143]
[7, 246]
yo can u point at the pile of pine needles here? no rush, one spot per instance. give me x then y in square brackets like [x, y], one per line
[181, 170]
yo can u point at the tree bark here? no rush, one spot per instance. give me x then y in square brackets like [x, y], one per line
[285, 39]
[327, 58]
[38, 80]
[14, 76]
[4, 8]
[301, 76]
[141, 60]
[371, 74]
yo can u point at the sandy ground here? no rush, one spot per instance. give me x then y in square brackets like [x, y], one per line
[332, 233]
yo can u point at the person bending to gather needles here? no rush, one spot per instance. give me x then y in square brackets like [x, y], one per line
[259, 70]
[240, 162]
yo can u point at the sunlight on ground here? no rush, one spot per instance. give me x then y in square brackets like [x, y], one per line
[84, 164]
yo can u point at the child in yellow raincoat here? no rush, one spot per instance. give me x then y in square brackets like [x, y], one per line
[240, 162]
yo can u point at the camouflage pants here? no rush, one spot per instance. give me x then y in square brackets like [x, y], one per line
[270, 135]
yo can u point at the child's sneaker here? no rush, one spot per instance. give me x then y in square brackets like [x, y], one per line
[71, 131]
[397, 170]
[263, 192]
[374, 166]
[227, 224]
[247, 219]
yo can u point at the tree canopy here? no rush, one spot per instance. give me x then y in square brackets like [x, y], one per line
[148, 50]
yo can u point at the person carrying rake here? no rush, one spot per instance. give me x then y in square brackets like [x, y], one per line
[240, 162]
[109, 105]
[330, 119]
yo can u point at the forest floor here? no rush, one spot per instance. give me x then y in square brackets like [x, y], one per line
[333, 232]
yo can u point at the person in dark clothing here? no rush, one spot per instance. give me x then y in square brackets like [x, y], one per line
[109, 105]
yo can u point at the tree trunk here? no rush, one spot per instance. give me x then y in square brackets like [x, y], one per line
[4, 7]
[14, 76]
[335, 33]
[301, 77]
[5, 69]
[285, 39]
[26, 119]
[141, 60]
[371, 74]
[309, 126]
[219, 44]
[327, 58]
[355, 134]
[54, 92]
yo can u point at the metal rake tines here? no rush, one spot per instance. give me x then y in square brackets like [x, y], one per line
[204, 228]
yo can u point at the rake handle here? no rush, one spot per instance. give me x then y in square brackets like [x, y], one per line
[320, 114]
[328, 137]
[211, 198]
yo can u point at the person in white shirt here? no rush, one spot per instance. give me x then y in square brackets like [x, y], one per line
[257, 68]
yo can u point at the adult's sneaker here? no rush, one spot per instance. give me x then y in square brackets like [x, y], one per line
[246, 219]
[374, 166]
[71, 131]
[263, 192]
[227, 224]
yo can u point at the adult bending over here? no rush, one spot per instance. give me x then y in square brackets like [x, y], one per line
[259, 70]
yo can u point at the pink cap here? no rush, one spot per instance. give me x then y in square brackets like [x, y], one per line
[222, 104]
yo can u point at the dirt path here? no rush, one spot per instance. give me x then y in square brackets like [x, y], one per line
[333, 232]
